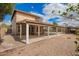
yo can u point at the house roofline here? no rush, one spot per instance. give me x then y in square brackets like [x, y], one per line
[20, 11]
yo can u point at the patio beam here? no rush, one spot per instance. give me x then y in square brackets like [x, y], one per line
[36, 24]
[27, 33]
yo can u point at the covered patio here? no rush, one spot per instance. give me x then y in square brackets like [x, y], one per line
[30, 32]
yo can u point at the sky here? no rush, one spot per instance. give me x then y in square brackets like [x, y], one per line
[31, 7]
[36, 8]
[44, 10]
[7, 19]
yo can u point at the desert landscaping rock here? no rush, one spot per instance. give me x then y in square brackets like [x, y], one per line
[8, 42]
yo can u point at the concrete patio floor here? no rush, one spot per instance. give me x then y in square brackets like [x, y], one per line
[57, 46]
[35, 38]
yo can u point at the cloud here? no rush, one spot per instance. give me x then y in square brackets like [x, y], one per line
[69, 22]
[48, 11]
[44, 19]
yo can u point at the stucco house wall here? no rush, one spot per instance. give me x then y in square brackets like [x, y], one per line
[20, 16]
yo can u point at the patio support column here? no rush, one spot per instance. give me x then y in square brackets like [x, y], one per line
[16, 28]
[56, 29]
[38, 30]
[12, 29]
[62, 30]
[35, 30]
[27, 33]
[20, 31]
[48, 30]
[65, 30]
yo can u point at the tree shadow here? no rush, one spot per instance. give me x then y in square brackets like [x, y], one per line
[17, 38]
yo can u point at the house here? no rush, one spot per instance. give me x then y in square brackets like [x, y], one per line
[30, 25]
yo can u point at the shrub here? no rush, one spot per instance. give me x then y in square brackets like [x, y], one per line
[77, 32]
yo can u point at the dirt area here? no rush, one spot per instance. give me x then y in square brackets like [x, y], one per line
[57, 46]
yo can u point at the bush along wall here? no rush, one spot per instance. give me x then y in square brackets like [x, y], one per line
[77, 40]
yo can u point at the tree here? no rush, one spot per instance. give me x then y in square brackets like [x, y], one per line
[72, 8]
[5, 8]
[68, 11]
[55, 23]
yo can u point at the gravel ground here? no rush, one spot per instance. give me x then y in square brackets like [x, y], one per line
[57, 46]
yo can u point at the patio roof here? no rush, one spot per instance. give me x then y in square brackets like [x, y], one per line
[35, 22]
